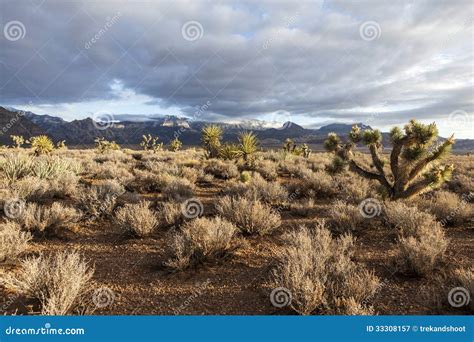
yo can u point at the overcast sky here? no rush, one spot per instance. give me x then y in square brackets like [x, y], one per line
[310, 62]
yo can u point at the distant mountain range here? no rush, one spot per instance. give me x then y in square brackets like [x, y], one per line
[128, 130]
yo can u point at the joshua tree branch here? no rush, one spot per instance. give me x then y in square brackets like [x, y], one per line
[415, 189]
[354, 167]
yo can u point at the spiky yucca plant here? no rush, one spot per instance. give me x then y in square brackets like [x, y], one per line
[413, 161]
[248, 145]
[211, 139]
[42, 144]
[175, 145]
[229, 151]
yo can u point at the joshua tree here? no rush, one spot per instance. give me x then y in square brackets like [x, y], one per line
[103, 145]
[175, 145]
[413, 155]
[248, 145]
[61, 145]
[211, 139]
[149, 142]
[305, 150]
[287, 146]
[18, 140]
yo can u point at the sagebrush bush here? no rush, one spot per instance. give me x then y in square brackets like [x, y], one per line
[406, 219]
[249, 215]
[423, 253]
[201, 240]
[47, 220]
[320, 275]
[178, 189]
[258, 188]
[170, 214]
[136, 219]
[315, 185]
[448, 208]
[267, 168]
[58, 282]
[345, 217]
[221, 169]
[13, 241]
[99, 200]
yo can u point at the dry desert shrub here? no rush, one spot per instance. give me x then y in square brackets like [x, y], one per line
[57, 281]
[170, 214]
[136, 219]
[267, 168]
[423, 253]
[13, 241]
[178, 189]
[315, 185]
[351, 188]
[407, 220]
[421, 240]
[63, 186]
[320, 275]
[258, 188]
[47, 220]
[249, 215]
[202, 240]
[221, 169]
[100, 199]
[345, 217]
[303, 208]
[112, 170]
[448, 208]
[146, 181]
[462, 184]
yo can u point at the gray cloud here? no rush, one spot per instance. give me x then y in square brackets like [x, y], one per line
[254, 58]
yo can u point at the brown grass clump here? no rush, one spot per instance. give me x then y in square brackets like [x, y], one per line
[250, 216]
[47, 220]
[320, 275]
[58, 281]
[13, 241]
[345, 217]
[136, 219]
[202, 240]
